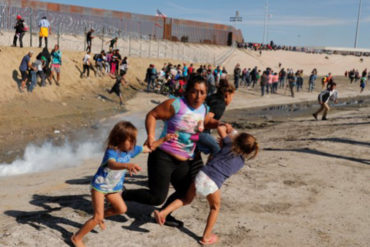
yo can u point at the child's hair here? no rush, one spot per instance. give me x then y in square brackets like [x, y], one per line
[121, 132]
[246, 145]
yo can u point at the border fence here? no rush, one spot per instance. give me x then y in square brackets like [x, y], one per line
[76, 20]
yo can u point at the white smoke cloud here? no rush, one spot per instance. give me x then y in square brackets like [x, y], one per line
[48, 156]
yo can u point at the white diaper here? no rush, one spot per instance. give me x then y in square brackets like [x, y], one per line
[204, 185]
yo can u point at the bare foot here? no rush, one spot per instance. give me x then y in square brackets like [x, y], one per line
[159, 218]
[209, 241]
[102, 226]
[77, 243]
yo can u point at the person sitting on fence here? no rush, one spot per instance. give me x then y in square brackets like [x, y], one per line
[44, 26]
[20, 29]
[113, 42]
[89, 39]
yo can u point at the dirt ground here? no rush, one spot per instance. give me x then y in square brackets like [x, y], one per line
[309, 186]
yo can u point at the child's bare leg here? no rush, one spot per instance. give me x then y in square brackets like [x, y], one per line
[118, 207]
[98, 205]
[214, 201]
[58, 78]
[178, 203]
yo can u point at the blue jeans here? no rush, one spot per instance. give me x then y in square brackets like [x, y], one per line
[311, 86]
[207, 144]
[281, 82]
[150, 85]
[236, 83]
[262, 90]
[33, 81]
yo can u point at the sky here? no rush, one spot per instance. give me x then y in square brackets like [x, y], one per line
[290, 22]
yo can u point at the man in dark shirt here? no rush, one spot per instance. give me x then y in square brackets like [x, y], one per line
[24, 67]
[237, 72]
[19, 31]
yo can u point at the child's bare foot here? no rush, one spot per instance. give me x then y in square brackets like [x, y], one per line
[76, 243]
[102, 225]
[208, 241]
[159, 218]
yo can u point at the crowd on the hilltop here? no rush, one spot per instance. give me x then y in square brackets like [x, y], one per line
[270, 46]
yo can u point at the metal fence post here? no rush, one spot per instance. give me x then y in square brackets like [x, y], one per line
[141, 46]
[150, 45]
[129, 44]
[58, 35]
[102, 39]
[85, 40]
[31, 28]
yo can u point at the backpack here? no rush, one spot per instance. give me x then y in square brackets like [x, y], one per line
[25, 27]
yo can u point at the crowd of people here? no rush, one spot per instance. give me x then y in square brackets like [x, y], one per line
[46, 66]
[354, 76]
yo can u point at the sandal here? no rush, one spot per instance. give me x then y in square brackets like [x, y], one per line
[212, 240]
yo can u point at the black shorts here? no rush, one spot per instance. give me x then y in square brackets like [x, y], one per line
[122, 72]
[24, 75]
[116, 89]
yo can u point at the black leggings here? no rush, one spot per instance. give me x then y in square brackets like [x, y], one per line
[86, 68]
[164, 169]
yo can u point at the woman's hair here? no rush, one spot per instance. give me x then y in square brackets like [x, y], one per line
[194, 80]
[246, 145]
[121, 132]
[225, 87]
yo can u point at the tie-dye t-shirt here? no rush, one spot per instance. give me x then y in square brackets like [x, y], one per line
[107, 180]
[184, 123]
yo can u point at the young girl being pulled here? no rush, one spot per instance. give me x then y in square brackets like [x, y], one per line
[229, 160]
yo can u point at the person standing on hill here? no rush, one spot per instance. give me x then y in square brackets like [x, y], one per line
[89, 39]
[56, 63]
[324, 98]
[237, 75]
[254, 76]
[311, 81]
[44, 26]
[20, 30]
[86, 64]
[282, 75]
[24, 67]
[351, 75]
[211, 82]
[291, 82]
[264, 82]
[363, 83]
